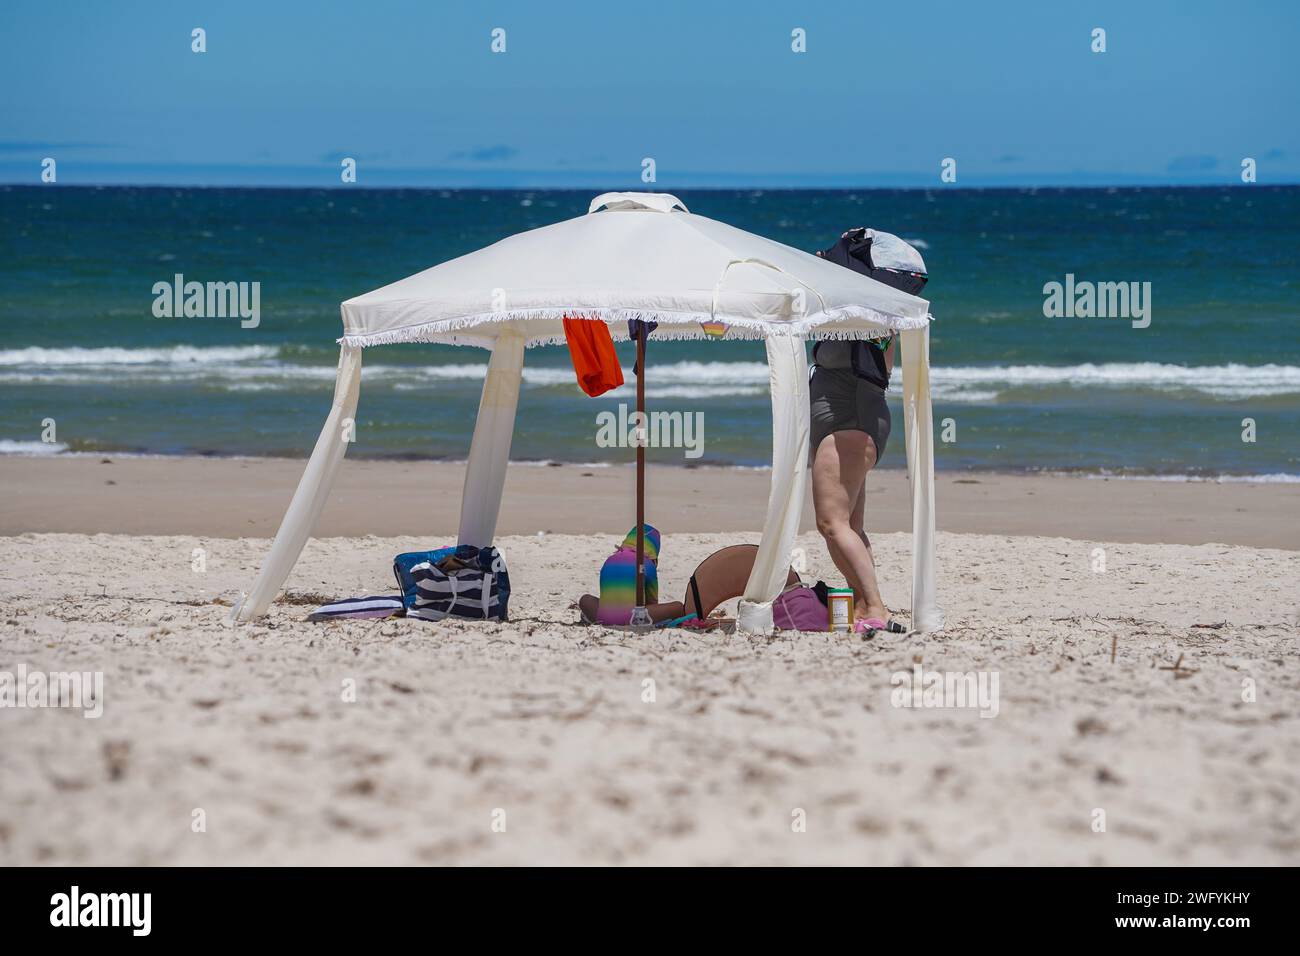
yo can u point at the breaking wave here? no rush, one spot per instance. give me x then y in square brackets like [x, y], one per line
[267, 367]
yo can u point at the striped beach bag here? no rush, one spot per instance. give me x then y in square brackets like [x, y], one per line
[464, 581]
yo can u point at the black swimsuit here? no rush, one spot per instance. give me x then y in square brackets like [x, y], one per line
[842, 400]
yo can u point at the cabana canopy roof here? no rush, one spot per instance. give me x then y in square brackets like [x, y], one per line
[634, 255]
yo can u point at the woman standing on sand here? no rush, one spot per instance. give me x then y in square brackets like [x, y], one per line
[850, 422]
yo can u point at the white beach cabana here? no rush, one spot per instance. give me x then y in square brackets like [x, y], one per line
[632, 256]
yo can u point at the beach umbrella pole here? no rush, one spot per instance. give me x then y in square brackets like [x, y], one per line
[640, 617]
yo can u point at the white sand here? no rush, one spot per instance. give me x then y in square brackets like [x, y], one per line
[546, 720]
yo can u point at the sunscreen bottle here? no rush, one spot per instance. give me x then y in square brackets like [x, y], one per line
[839, 609]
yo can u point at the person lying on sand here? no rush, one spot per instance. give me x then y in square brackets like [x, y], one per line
[719, 578]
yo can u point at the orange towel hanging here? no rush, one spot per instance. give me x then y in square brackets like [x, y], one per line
[594, 360]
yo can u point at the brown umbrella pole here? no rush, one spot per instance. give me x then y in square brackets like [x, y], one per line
[640, 467]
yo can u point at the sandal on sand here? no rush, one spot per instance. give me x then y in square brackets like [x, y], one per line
[871, 626]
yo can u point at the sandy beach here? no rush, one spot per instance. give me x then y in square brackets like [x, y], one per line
[1158, 696]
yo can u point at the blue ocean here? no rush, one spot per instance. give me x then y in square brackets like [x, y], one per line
[1210, 388]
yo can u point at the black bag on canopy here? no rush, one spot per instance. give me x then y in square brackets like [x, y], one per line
[886, 258]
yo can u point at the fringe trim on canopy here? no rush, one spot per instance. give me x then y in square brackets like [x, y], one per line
[672, 326]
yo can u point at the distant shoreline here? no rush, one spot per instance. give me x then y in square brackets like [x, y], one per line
[896, 465]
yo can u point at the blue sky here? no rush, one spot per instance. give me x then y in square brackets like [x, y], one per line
[710, 90]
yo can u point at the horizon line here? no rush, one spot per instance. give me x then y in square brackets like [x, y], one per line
[648, 187]
[230, 175]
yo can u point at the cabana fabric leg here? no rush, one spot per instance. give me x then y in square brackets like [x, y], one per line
[788, 375]
[313, 490]
[489, 452]
[919, 420]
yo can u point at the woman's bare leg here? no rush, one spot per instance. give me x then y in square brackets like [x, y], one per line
[858, 520]
[839, 473]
